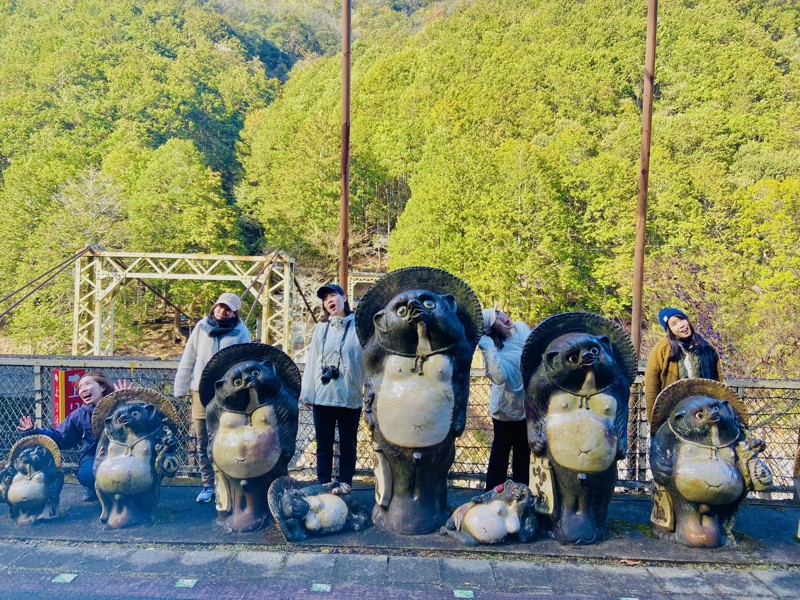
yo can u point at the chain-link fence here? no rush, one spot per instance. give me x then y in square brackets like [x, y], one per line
[26, 388]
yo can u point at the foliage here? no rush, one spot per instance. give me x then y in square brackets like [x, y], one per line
[118, 127]
[515, 130]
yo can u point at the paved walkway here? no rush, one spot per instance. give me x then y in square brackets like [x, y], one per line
[34, 570]
[183, 555]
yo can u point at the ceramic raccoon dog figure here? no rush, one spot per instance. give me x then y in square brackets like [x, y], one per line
[418, 343]
[577, 369]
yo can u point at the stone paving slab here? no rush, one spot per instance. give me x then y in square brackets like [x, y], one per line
[739, 583]
[581, 579]
[249, 563]
[465, 573]
[518, 575]
[356, 568]
[153, 561]
[309, 567]
[784, 584]
[411, 569]
[681, 580]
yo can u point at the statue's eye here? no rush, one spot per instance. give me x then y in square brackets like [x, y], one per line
[698, 415]
[429, 304]
[255, 373]
[402, 311]
[573, 358]
[237, 381]
[594, 350]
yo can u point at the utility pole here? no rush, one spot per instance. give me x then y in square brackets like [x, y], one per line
[344, 201]
[644, 172]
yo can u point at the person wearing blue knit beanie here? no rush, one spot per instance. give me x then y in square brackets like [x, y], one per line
[683, 354]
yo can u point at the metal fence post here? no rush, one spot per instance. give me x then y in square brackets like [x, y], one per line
[37, 393]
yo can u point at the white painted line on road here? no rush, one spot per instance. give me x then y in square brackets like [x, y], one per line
[185, 583]
[321, 587]
[64, 578]
[463, 593]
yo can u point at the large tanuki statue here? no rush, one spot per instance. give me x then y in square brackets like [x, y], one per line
[419, 327]
[250, 394]
[135, 451]
[577, 369]
[32, 480]
[703, 462]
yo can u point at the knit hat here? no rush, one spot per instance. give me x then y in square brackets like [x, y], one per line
[489, 317]
[232, 301]
[665, 314]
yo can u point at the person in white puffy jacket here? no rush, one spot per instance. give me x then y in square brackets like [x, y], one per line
[220, 329]
[501, 346]
[333, 384]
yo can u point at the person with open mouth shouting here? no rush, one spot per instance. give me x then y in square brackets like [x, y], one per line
[77, 427]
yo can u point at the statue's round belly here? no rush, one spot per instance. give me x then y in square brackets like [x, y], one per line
[24, 492]
[582, 440]
[328, 513]
[707, 480]
[490, 523]
[248, 450]
[125, 474]
[412, 410]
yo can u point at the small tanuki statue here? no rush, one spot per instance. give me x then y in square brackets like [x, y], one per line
[250, 393]
[577, 369]
[499, 515]
[136, 445]
[419, 327]
[32, 480]
[703, 462]
[302, 510]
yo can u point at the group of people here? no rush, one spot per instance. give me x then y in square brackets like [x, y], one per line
[332, 386]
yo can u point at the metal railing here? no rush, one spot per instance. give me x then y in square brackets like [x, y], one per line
[26, 388]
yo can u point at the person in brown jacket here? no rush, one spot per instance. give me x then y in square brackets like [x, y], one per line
[683, 354]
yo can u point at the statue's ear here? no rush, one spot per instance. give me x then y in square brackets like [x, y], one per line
[605, 342]
[450, 301]
[269, 367]
[380, 321]
[150, 410]
[551, 357]
[108, 420]
[680, 416]
[219, 384]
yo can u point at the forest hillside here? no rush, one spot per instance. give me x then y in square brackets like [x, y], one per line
[496, 139]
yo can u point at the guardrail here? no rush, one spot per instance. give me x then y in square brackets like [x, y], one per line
[26, 388]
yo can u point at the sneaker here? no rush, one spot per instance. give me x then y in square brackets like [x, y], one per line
[89, 495]
[205, 495]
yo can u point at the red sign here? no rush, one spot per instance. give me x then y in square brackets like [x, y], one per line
[65, 392]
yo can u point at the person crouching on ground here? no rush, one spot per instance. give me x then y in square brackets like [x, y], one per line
[77, 427]
[501, 345]
[219, 329]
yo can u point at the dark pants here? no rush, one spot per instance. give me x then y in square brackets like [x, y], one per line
[326, 419]
[85, 473]
[508, 436]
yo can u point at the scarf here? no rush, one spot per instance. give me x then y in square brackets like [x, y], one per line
[222, 327]
[701, 357]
